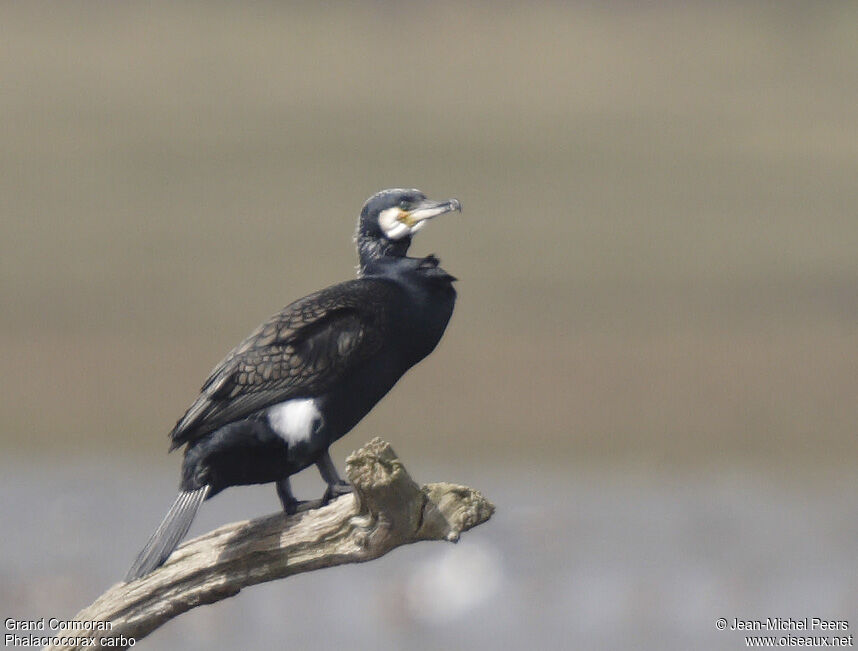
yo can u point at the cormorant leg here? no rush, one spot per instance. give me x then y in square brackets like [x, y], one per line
[336, 486]
[290, 505]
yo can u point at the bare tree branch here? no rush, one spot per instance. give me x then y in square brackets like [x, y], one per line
[386, 510]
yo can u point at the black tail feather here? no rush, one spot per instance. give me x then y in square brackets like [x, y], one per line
[169, 533]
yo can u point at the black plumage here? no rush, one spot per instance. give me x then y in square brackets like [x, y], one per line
[307, 375]
[300, 351]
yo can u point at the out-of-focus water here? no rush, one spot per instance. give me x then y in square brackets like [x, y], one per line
[570, 560]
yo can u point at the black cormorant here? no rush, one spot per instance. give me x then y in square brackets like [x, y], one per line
[306, 376]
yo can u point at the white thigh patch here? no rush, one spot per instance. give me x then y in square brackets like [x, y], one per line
[295, 420]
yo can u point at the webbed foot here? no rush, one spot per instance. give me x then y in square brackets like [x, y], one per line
[333, 491]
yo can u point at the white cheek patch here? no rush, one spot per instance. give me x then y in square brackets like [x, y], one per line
[399, 231]
[295, 420]
[392, 228]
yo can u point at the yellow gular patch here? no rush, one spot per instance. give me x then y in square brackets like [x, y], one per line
[392, 223]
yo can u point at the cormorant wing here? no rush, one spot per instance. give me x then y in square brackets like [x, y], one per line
[298, 352]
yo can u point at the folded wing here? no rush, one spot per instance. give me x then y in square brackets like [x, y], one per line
[298, 352]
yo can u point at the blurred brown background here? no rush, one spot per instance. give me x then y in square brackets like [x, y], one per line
[658, 255]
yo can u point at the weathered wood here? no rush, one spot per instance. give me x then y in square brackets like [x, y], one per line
[386, 510]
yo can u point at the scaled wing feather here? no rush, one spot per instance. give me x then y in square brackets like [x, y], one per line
[300, 351]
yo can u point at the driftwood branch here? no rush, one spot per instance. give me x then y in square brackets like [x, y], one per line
[386, 510]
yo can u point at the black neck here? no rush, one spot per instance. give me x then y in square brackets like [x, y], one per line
[372, 248]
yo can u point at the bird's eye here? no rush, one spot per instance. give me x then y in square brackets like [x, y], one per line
[405, 204]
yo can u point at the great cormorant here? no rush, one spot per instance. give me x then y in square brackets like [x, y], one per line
[306, 376]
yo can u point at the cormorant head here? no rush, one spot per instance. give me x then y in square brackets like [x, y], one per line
[389, 219]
